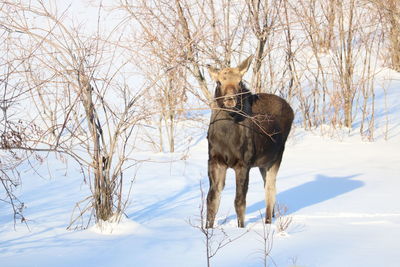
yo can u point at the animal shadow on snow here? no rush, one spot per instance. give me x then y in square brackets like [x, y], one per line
[321, 189]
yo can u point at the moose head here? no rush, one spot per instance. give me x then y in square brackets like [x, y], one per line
[229, 83]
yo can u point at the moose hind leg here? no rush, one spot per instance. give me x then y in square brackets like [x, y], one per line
[263, 172]
[216, 175]
[270, 190]
[242, 184]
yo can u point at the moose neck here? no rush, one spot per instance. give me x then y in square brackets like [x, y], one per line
[243, 106]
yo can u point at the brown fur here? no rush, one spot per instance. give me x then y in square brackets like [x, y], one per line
[250, 133]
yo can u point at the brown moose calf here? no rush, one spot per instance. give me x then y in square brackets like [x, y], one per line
[246, 130]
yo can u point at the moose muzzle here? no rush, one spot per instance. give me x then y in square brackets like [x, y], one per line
[230, 101]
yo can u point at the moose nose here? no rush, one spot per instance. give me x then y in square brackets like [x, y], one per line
[229, 101]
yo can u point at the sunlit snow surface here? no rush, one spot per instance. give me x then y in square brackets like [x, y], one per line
[342, 197]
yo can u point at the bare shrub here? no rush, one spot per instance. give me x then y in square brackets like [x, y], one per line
[389, 11]
[9, 183]
[214, 238]
[283, 221]
[85, 112]
[264, 17]
[14, 130]
[187, 34]
[266, 238]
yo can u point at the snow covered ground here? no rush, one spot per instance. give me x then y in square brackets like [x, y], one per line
[342, 196]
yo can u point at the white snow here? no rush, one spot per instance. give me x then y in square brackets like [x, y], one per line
[118, 226]
[342, 196]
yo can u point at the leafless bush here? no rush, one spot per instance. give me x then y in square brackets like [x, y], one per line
[85, 112]
[267, 241]
[160, 47]
[264, 17]
[344, 57]
[343, 72]
[214, 238]
[283, 221]
[14, 131]
[372, 43]
[313, 105]
[9, 184]
[14, 134]
[185, 33]
[389, 11]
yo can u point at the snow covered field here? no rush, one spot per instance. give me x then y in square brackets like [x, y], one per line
[342, 196]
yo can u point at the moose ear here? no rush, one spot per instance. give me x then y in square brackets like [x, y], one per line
[244, 66]
[213, 72]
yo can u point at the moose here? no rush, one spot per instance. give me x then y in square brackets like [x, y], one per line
[246, 130]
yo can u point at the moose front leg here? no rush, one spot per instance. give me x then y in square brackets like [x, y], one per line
[242, 184]
[216, 175]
